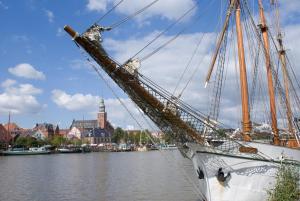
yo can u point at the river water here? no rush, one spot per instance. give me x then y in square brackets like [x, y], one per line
[130, 176]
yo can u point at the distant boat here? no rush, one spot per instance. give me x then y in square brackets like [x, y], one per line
[68, 151]
[142, 148]
[168, 147]
[23, 151]
[124, 147]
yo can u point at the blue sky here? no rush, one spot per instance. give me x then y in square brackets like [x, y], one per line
[44, 77]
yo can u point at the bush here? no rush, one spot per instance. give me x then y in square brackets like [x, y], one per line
[287, 185]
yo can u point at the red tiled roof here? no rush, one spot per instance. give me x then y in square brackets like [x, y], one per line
[11, 126]
[63, 131]
[4, 136]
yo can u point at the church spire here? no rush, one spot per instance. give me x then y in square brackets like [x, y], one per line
[101, 105]
[102, 115]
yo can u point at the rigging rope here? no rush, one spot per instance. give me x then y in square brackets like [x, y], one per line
[219, 79]
[109, 11]
[201, 60]
[190, 60]
[116, 24]
[168, 28]
[172, 39]
[188, 65]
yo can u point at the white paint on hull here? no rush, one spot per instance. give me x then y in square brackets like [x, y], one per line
[249, 179]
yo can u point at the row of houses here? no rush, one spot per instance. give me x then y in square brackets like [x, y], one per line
[95, 131]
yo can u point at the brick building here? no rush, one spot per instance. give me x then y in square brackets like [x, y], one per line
[5, 137]
[94, 131]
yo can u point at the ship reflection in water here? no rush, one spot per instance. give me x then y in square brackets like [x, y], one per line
[98, 176]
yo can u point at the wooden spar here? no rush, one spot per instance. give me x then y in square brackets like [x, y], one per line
[247, 125]
[70, 31]
[282, 55]
[128, 82]
[264, 30]
[220, 40]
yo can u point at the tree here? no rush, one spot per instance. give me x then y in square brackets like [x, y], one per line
[75, 141]
[118, 135]
[58, 140]
[28, 142]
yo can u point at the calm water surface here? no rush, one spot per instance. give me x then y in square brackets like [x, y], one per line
[130, 176]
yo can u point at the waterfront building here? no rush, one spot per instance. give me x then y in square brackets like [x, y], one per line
[157, 134]
[94, 131]
[97, 136]
[5, 137]
[39, 135]
[74, 133]
[44, 130]
[13, 129]
[64, 132]
[16, 132]
[26, 133]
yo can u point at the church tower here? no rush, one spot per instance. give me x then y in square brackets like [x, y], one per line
[102, 117]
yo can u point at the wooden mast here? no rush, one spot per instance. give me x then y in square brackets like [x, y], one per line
[264, 30]
[247, 125]
[220, 40]
[282, 57]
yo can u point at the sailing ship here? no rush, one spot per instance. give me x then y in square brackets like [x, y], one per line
[228, 166]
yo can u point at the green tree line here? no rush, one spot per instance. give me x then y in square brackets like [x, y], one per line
[56, 140]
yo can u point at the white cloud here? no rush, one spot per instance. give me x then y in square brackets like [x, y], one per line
[168, 9]
[97, 5]
[74, 102]
[60, 32]
[117, 114]
[25, 89]
[8, 83]
[27, 71]
[289, 9]
[19, 104]
[10, 87]
[19, 99]
[292, 42]
[50, 15]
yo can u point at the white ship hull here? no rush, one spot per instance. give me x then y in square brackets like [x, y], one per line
[249, 178]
